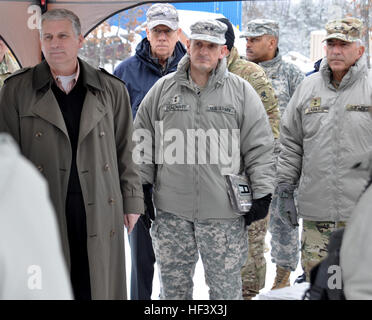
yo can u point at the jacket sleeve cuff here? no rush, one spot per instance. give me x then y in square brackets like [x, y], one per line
[133, 205]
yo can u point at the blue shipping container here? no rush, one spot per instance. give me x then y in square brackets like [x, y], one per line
[230, 9]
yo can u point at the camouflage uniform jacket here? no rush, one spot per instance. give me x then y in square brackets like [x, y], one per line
[257, 78]
[7, 66]
[284, 76]
[191, 187]
[321, 131]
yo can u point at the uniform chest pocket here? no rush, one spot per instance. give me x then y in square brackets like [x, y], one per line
[176, 115]
[221, 116]
[358, 118]
[315, 118]
[223, 110]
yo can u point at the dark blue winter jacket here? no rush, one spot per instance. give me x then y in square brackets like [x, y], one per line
[139, 72]
[316, 67]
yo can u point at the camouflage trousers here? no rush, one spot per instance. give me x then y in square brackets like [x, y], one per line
[314, 242]
[177, 243]
[285, 240]
[254, 270]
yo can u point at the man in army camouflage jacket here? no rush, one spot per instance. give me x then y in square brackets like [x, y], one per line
[262, 37]
[7, 63]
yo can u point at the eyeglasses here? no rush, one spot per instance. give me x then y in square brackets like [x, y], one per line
[157, 32]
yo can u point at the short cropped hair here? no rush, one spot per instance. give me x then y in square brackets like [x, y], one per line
[62, 14]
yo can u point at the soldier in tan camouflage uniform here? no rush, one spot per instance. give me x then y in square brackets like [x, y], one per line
[315, 238]
[254, 270]
[262, 37]
[7, 63]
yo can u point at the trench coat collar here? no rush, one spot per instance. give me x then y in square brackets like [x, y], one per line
[42, 76]
[47, 106]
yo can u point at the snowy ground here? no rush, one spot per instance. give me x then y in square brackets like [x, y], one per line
[200, 288]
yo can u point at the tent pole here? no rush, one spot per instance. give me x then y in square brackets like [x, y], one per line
[43, 4]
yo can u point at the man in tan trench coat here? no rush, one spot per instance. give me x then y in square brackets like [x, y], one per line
[75, 124]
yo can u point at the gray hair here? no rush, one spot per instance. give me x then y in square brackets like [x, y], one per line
[62, 14]
[360, 43]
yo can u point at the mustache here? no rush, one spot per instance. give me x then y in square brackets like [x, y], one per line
[204, 58]
[335, 59]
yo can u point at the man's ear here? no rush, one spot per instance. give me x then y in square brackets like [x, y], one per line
[273, 41]
[361, 50]
[188, 44]
[147, 32]
[81, 41]
[224, 51]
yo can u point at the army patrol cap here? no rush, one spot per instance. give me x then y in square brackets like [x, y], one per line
[260, 27]
[209, 30]
[162, 13]
[347, 29]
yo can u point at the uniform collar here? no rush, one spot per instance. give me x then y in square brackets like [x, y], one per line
[232, 57]
[273, 61]
[216, 77]
[357, 70]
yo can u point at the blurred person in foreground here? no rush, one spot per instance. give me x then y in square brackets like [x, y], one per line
[32, 265]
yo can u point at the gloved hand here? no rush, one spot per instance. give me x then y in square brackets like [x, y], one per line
[149, 215]
[286, 205]
[259, 209]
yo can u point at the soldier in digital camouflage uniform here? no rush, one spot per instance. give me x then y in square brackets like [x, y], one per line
[325, 126]
[254, 270]
[7, 63]
[194, 213]
[262, 37]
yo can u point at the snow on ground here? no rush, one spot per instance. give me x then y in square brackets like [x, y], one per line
[200, 288]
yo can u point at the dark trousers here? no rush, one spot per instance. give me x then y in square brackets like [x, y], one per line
[143, 260]
[77, 237]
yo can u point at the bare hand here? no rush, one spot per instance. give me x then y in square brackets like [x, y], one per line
[130, 221]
